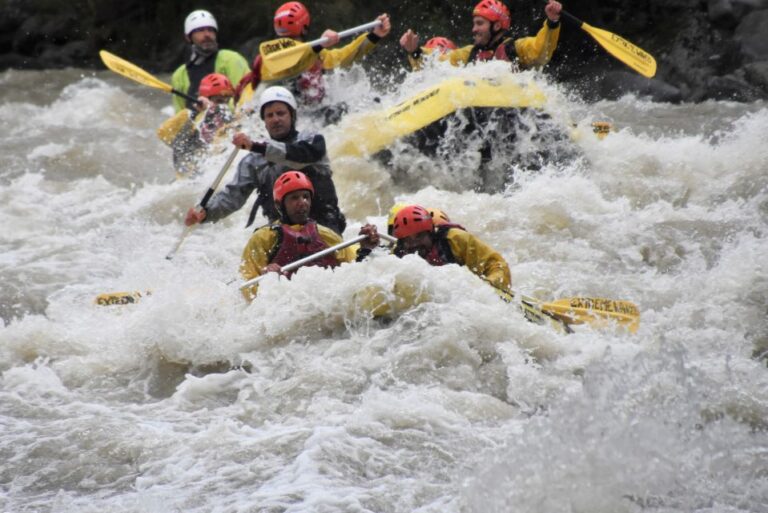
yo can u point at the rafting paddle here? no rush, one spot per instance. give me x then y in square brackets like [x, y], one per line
[573, 310]
[628, 53]
[126, 298]
[135, 73]
[314, 256]
[282, 54]
[204, 201]
[563, 313]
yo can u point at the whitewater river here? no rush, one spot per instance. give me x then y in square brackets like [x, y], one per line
[192, 401]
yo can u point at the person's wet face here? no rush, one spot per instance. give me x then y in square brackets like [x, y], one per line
[481, 31]
[204, 37]
[277, 119]
[419, 243]
[297, 205]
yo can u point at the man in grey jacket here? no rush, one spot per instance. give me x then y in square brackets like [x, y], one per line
[287, 149]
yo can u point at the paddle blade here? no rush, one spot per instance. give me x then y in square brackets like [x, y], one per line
[631, 55]
[132, 72]
[596, 312]
[280, 55]
[119, 298]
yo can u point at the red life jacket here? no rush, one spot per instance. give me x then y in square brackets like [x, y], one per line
[215, 118]
[253, 78]
[294, 245]
[441, 253]
[311, 84]
[498, 53]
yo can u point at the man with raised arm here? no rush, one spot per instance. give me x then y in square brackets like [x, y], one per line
[305, 77]
[491, 22]
[286, 149]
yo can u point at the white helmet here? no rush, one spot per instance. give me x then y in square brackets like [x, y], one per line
[197, 20]
[276, 94]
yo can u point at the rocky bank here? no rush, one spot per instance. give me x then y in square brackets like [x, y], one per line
[705, 49]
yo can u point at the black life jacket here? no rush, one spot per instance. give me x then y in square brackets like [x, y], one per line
[196, 73]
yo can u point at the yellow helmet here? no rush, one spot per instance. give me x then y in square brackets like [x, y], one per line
[438, 216]
[392, 213]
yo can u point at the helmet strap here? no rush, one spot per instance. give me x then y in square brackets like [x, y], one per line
[280, 207]
[496, 35]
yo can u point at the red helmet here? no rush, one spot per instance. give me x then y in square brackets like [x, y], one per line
[493, 11]
[291, 181]
[442, 44]
[411, 220]
[216, 84]
[291, 19]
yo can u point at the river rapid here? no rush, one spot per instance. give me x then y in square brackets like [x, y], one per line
[190, 400]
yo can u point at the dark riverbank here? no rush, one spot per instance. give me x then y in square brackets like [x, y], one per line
[708, 49]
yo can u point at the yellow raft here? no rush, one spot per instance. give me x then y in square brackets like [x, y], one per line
[366, 134]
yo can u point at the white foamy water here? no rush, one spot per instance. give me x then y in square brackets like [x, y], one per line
[193, 401]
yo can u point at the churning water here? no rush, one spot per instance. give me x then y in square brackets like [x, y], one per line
[193, 401]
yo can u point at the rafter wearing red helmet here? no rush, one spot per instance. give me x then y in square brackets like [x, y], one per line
[305, 78]
[440, 243]
[189, 132]
[491, 22]
[296, 235]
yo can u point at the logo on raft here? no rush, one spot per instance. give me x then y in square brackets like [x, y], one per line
[409, 106]
[604, 305]
[118, 298]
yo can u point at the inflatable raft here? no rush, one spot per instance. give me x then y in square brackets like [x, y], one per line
[369, 133]
[501, 118]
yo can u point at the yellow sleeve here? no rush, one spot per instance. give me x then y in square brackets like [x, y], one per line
[256, 256]
[346, 55]
[459, 56]
[537, 51]
[480, 258]
[348, 254]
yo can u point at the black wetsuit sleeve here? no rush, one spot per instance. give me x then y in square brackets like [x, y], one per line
[306, 152]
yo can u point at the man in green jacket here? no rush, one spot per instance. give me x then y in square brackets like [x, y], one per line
[200, 29]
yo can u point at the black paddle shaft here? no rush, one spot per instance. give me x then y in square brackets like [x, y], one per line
[570, 18]
[206, 197]
[186, 97]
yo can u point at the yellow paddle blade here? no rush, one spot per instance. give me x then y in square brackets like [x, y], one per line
[280, 55]
[533, 313]
[119, 298]
[596, 312]
[132, 72]
[631, 55]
